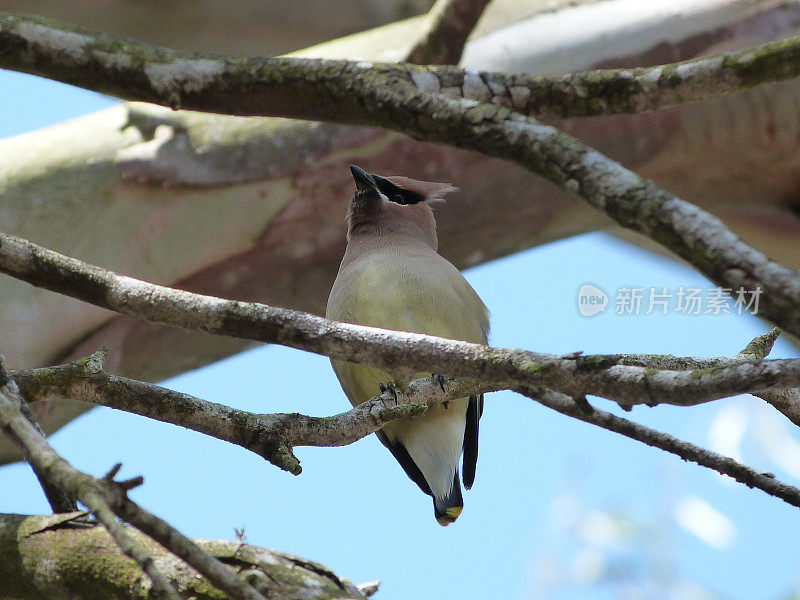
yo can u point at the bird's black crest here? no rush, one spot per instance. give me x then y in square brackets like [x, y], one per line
[395, 193]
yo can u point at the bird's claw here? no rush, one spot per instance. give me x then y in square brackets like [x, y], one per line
[389, 386]
[439, 378]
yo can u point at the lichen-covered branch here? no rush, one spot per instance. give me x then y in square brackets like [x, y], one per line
[29, 541]
[722, 464]
[137, 71]
[279, 433]
[785, 400]
[572, 375]
[271, 436]
[449, 24]
[394, 97]
[613, 91]
[757, 349]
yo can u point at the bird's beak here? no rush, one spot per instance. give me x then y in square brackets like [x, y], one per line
[362, 179]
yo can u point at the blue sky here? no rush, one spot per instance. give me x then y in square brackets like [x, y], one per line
[560, 509]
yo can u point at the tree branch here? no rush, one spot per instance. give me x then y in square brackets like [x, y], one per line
[391, 97]
[786, 401]
[271, 436]
[450, 23]
[765, 482]
[26, 541]
[274, 436]
[757, 349]
[615, 91]
[60, 501]
[571, 375]
[106, 498]
[138, 71]
[59, 474]
[397, 97]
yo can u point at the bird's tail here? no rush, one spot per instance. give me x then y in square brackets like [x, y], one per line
[448, 508]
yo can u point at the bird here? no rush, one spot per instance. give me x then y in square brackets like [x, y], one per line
[392, 277]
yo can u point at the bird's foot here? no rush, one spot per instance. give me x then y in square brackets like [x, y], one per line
[439, 378]
[389, 386]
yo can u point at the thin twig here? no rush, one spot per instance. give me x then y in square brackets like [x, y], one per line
[765, 482]
[59, 500]
[369, 588]
[187, 550]
[62, 475]
[129, 547]
[757, 349]
[761, 345]
[102, 496]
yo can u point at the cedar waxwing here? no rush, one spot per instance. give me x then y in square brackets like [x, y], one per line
[392, 277]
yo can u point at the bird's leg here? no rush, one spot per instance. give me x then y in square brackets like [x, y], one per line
[439, 378]
[389, 386]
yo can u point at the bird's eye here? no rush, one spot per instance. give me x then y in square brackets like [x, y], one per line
[398, 197]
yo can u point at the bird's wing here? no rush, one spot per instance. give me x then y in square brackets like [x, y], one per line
[474, 412]
[404, 458]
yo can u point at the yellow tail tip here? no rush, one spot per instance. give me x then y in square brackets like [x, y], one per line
[449, 516]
